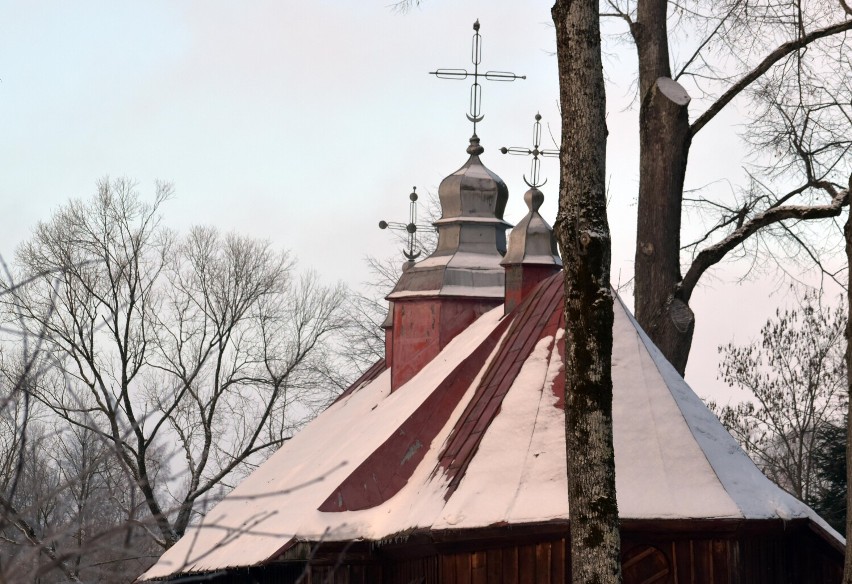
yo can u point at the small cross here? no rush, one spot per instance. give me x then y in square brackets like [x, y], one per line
[410, 228]
[536, 152]
[475, 112]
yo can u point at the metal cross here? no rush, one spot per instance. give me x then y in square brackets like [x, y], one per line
[536, 152]
[475, 113]
[410, 228]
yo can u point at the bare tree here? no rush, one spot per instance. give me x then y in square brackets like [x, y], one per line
[32, 510]
[584, 238]
[67, 512]
[847, 564]
[788, 62]
[73, 515]
[367, 310]
[795, 380]
[190, 358]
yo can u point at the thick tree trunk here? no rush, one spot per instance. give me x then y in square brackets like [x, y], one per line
[583, 233]
[664, 139]
[847, 567]
[651, 35]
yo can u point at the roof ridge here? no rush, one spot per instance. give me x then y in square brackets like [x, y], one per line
[528, 327]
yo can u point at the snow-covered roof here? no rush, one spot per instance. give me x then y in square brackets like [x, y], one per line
[476, 439]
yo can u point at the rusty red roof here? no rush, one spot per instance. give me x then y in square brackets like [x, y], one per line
[476, 439]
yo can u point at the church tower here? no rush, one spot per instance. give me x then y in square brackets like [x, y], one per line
[440, 296]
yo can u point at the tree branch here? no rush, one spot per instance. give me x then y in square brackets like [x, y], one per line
[768, 61]
[712, 255]
[27, 530]
[705, 42]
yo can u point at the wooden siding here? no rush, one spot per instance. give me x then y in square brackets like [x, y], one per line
[534, 563]
[794, 557]
[788, 561]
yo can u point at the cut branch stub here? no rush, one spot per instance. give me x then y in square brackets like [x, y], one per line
[673, 91]
[664, 140]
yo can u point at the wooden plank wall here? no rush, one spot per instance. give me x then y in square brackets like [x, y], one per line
[792, 560]
[413, 571]
[536, 563]
[701, 561]
[342, 574]
[798, 558]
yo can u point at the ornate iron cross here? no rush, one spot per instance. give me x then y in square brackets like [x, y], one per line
[475, 109]
[536, 152]
[410, 228]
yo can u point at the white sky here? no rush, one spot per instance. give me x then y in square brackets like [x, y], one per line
[307, 122]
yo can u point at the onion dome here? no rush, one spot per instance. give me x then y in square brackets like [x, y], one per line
[471, 237]
[532, 255]
[532, 240]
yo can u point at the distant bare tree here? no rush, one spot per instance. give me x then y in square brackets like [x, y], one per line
[795, 381]
[368, 309]
[847, 234]
[73, 514]
[35, 503]
[181, 361]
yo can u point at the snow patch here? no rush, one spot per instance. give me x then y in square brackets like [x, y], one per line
[518, 472]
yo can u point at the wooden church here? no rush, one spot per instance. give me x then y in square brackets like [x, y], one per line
[445, 463]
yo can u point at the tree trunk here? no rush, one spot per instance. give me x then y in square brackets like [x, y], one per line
[584, 236]
[664, 139]
[847, 231]
[651, 35]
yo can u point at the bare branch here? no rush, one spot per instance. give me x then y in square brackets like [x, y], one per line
[712, 255]
[771, 59]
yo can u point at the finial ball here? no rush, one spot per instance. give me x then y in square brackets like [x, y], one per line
[413, 196]
[383, 224]
[504, 150]
[475, 149]
[534, 198]
[476, 25]
[538, 117]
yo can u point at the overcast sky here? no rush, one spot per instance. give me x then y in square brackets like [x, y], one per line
[306, 122]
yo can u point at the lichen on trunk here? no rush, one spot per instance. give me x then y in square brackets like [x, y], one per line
[584, 237]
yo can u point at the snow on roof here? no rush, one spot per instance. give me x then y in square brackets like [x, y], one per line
[278, 502]
[674, 460]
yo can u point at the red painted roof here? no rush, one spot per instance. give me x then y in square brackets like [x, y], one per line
[539, 316]
[388, 469]
[477, 439]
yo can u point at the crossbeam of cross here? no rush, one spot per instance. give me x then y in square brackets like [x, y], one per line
[412, 253]
[535, 152]
[475, 108]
